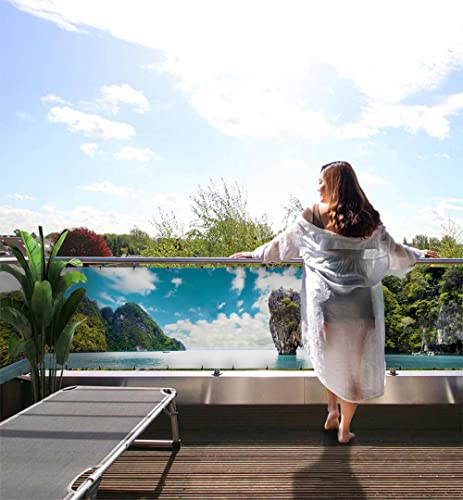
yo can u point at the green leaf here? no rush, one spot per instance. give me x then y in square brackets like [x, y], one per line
[19, 305]
[42, 303]
[15, 346]
[30, 351]
[33, 254]
[75, 262]
[56, 248]
[42, 254]
[68, 308]
[68, 279]
[64, 341]
[27, 271]
[17, 319]
[54, 273]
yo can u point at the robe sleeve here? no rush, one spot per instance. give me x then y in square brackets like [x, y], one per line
[401, 257]
[283, 247]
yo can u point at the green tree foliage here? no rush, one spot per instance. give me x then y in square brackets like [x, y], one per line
[424, 242]
[7, 330]
[89, 336]
[451, 243]
[133, 243]
[223, 226]
[131, 329]
[425, 309]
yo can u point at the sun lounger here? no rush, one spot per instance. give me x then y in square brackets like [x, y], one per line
[46, 447]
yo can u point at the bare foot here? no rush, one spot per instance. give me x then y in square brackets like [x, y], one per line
[332, 420]
[345, 437]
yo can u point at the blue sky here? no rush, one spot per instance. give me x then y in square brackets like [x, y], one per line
[233, 313]
[111, 109]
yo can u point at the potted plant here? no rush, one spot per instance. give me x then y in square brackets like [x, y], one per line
[41, 317]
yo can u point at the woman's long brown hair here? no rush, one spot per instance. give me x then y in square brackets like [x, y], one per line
[350, 212]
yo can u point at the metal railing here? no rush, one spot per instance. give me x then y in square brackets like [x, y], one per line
[205, 260]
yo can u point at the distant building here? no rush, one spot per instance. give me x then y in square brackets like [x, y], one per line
[6, 240]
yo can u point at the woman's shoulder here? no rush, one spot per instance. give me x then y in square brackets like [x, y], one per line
[307, 214]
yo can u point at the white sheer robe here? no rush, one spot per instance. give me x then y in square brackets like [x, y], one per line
[342, 305]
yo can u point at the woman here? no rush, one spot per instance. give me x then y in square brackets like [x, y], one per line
[346, 252]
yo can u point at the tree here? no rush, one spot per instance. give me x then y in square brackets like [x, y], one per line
[223, 225]
[450, 245]
[424, 242]
[84, 242]
[116, 242]
[138, 241]
[223, 221]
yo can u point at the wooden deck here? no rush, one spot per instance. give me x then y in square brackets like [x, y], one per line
[280, 452]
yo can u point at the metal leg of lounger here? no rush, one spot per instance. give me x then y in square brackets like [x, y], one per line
[92, 491]
[174, 443]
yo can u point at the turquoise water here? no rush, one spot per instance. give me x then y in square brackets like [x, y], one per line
[237, 358]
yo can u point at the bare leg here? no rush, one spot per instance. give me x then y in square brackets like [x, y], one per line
[332, 421]
[347, 412]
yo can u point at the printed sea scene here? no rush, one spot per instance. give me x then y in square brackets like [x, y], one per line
[221, 317]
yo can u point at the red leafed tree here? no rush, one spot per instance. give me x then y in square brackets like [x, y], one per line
[82, 242]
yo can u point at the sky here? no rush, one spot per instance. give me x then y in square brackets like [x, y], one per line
[111, 109]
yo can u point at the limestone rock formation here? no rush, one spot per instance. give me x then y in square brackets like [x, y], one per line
[285, 319]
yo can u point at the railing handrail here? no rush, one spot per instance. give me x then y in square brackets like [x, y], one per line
[200, 260]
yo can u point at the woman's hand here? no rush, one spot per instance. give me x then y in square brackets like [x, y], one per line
[431, 254]
[241, 255]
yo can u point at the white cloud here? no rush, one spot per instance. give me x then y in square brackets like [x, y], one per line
[177, 282]
[90, 149]
[221, 305]
[446, 204]
[115, 95]
[224, 332]
[371, 179]
[429, 215]
[106, 187]
[239, 279]
[54, 218]
[113, 301]
[433, 120]
[151, 66]
[136, 154]
[48, 207]
[239, 303]
[89, 124]
[293, 165]
[445, 156]
[21, 197]
[260, 85]
[139, 280]
[267, 281]
[52, 98]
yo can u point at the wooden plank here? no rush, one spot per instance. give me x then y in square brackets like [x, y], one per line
[286, 470]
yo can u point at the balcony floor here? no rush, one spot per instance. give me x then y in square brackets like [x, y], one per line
[401, 452]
